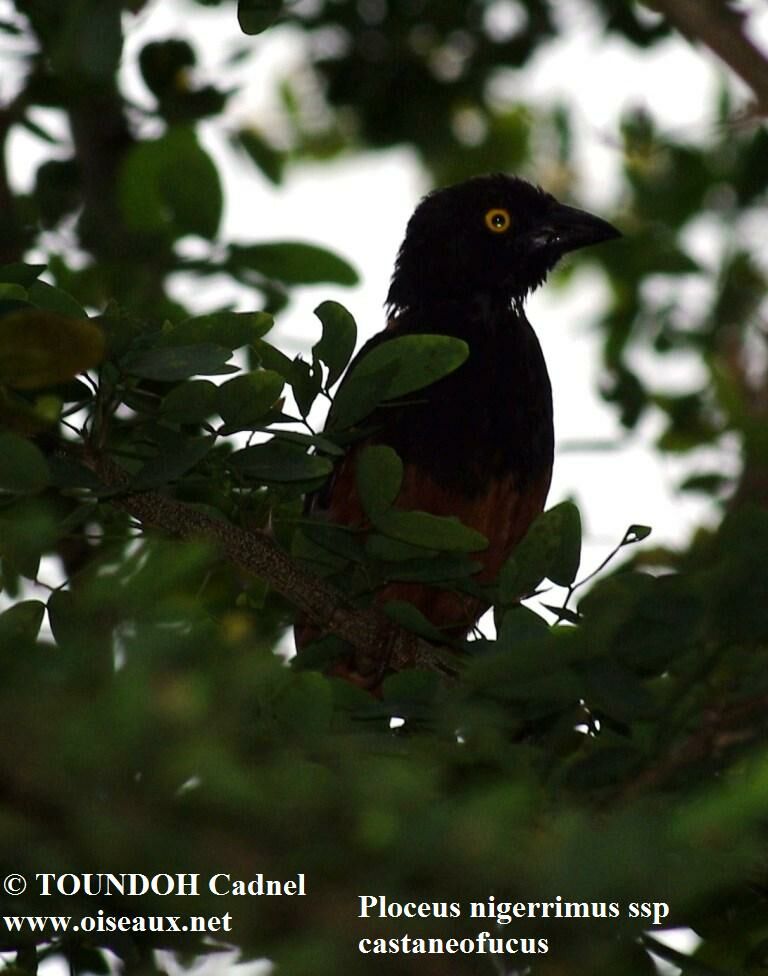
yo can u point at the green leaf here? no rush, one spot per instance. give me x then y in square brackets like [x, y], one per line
[255, 16]
[23, 468]
[163, 64]
[11, 292]
[520, 624]
[337, 343]
[294, 263]
[229, 329]
[431, 531]
[244, 399]
[305, 706]
[565, 560]
[173, 363]
[407, 616]
[411, 687]
[305, 381]
[21, 274]
[268, 159]
[21, 622]
[392, 369]
[171, 184]
[53, 299]
[379, 475]
[169, 466]
[551, 548]
[613, 689]
[636, 533]
[40, 348]
[446, 568]
[271, 358]
[191, 402]
[309, 440]
[280, 462]
[391, 550]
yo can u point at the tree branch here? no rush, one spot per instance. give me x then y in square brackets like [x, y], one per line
[374, 637]
[721, 28]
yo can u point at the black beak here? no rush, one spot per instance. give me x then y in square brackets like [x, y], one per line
[567, 229]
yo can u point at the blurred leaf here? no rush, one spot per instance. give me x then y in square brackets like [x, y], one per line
[337, 343]
[40, 348]
[52, 299]
[378, 475]
[293, 263]
[58, 190]
[154, 198]
[21, 622]
[91, 40]
[23, 468]
[255, 16]
[520, 624]
[21, 274]
[268, 159]
[163, 64]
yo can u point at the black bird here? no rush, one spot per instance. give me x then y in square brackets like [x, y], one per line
[479, 443]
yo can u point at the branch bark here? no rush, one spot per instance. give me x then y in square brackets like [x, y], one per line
[374, 637]
[721, 28]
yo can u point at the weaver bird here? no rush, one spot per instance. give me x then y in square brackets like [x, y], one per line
[478, 443]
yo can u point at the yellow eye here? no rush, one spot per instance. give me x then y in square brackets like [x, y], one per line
[498, 220]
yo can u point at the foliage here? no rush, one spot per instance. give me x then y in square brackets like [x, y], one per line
[147, 723]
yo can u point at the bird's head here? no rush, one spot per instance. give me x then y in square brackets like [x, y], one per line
[495, 236]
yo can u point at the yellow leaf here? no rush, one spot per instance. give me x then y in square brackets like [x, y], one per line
[40, 348]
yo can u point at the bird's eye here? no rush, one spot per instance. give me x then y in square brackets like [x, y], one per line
[497, 219]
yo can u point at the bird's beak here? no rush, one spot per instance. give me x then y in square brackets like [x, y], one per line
[568, 228]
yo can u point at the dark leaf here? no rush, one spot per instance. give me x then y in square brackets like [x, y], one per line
[294, 263]
[393, 369]
[337, 343]
[279, 462]
[378, 474]
[408, 617]
[636, 533]
[23, 468]
[255, 16]
[268, 159]
[232, 330]
[21, 622]
[306, 381]
[173, 363]
[154, 198]
[431, 531]
[190, 403]
[170, 465]
[242, 401]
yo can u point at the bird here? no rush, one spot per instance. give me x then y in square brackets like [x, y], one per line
[478, 443]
